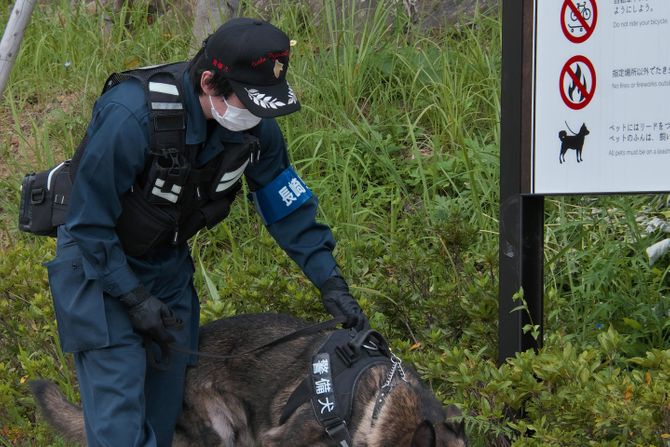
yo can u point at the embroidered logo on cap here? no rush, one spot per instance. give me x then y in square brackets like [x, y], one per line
[278, 68]
[220, 65]
[267, 101]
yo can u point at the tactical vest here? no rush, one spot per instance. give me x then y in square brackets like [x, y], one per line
[172, 198]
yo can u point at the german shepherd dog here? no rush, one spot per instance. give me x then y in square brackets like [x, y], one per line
[575, 142]
[238, 402]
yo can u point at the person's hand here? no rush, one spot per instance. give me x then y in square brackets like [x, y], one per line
[148, 314]
[338, 302]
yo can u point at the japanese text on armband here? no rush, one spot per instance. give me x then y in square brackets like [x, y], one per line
[281, 196]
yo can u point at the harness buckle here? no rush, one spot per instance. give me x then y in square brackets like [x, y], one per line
[347, 353]
[370, 340]
[340, 434]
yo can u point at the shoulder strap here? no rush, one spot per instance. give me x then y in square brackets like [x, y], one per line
[163, 91]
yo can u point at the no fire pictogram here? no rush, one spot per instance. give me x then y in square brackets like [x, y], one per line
[578, 19]
[577, 82]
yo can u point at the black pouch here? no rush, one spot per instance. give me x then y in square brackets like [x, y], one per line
[166, 178]
[44, 200]
[142, 225]
[207, 215]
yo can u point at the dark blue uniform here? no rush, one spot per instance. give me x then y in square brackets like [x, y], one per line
[127, 403]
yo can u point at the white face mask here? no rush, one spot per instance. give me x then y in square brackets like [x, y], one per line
[234, 118]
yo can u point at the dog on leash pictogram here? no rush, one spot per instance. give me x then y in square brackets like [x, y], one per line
[574, 141]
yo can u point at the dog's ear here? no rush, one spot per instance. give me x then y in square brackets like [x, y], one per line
[424, 435]
[455, 422]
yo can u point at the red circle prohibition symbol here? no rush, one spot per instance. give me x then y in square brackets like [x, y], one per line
[582, 17]
[586, 92]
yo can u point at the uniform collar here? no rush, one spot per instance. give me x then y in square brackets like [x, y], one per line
[196, 123]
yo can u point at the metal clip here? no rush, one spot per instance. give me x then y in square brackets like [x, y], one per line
[396, 365]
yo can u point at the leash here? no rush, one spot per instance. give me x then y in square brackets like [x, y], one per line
[566, 124]
[302, 332]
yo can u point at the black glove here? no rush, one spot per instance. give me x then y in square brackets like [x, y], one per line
[149, 315]
[338, 302]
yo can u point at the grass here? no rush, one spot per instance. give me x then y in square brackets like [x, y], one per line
[398, 137]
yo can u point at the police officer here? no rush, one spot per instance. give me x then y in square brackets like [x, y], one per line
[150, 174]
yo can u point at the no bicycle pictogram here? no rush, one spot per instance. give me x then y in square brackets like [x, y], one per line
[578, 19]
[577, 82]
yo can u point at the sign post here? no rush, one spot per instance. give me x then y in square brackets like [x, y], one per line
[521, 215]
[584, 91]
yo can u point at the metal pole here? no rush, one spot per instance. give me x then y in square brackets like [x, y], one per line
[521, 216]
[12, 37]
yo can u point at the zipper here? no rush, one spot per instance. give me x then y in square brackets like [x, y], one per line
[175, 236]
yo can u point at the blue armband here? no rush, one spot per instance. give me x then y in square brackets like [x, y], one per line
[279, 198]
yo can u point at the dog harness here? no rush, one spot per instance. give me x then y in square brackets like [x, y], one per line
[334, 374]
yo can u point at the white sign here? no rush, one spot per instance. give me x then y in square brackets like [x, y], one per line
[601, 96]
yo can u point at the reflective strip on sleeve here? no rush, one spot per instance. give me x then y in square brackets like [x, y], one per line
[279, 198]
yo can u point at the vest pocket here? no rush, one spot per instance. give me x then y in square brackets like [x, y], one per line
[207, 215]
[143, 226]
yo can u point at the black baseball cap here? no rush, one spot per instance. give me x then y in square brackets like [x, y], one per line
[253, 55]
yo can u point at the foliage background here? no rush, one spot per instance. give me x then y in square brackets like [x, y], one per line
[399, 138]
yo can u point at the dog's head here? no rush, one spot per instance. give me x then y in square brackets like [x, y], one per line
[414, 417]
[583, 130]
[447, 433]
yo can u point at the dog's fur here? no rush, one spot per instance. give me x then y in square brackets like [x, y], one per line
[575, 142]
[238, 402]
